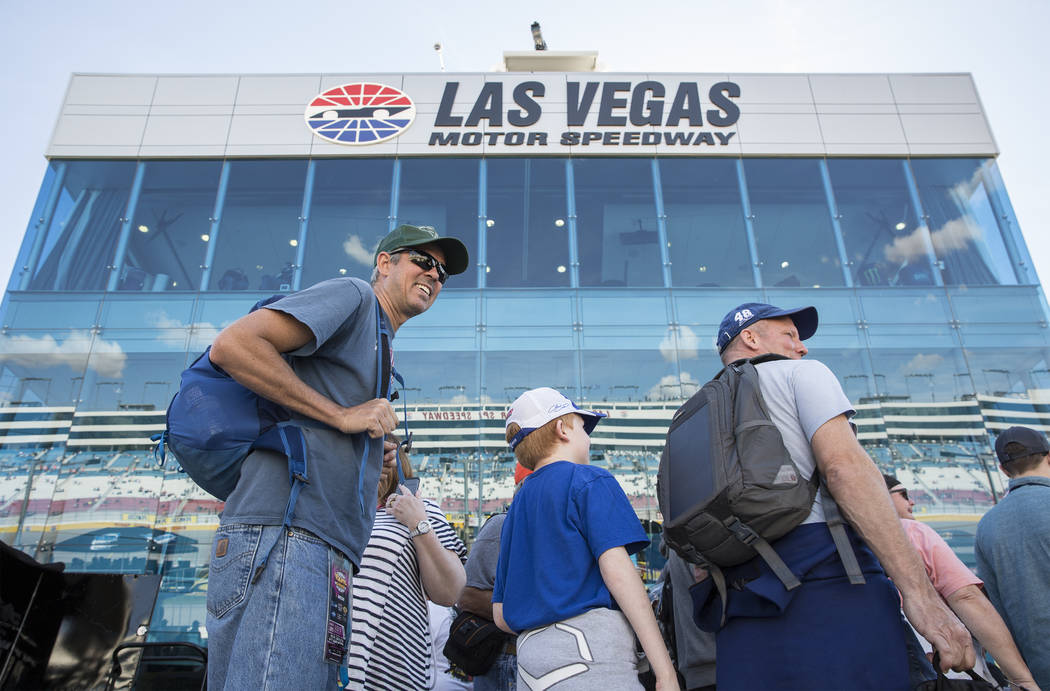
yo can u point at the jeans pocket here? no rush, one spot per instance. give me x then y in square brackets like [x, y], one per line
[232, 557]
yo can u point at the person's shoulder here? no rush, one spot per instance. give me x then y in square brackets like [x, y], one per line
[343, 289]
[587, 472]
[990, 519]
[919, 529]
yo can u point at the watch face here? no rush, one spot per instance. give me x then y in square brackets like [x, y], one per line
[423, 526]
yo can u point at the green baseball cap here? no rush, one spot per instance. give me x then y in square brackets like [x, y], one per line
[457, 259]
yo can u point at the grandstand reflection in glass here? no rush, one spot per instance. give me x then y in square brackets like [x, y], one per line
[605, 278]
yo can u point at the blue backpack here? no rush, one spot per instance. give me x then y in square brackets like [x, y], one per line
[214, 422]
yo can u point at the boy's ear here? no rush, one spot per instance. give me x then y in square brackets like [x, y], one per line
[559, 429]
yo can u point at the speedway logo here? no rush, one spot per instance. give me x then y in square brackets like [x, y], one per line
[360, 113]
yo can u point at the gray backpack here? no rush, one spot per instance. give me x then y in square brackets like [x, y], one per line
[727, 485]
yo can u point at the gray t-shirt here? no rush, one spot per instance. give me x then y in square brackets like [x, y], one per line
[801, 396]
[484, 554]
[341, 364]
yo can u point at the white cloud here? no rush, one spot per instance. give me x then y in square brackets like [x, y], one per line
[77, 351]
[686, 340]
[356, 250]
[922, 362]
[668, 387]
[462, 399]
[954, 235]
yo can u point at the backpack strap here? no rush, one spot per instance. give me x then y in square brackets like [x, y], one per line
[293, 445]
[745, 534]
[719, 578]
[382, 352]
[836, 524]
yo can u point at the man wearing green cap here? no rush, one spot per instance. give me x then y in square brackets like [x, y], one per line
[316, 353]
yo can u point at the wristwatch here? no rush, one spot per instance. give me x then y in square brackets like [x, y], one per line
[422, 528]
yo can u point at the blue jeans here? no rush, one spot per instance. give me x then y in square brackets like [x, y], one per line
[502, 676]
[269, 634]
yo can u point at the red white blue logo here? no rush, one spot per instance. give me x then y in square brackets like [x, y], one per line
[361, 113]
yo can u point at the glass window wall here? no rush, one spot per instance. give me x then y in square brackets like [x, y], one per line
[174, 209]
[258, 236]
[527, 236]
[934, 371]
[706, 234]
[349, 215]
[77, 249]
[796, 245]
[616, 222]
[443, 193]
[880, 227]
[962, 221]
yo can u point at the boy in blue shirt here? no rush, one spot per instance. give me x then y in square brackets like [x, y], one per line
[565, 581]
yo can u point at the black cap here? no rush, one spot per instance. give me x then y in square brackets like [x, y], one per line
[1033, 442]
[457, 258]
[891, 481]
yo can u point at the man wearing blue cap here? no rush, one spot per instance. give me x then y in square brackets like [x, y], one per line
[1013, 547]
[827, 633]
[278, 601]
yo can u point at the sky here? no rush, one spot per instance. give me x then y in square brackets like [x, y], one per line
[1004, 45]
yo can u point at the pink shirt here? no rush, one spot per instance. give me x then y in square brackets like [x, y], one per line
[945, 570]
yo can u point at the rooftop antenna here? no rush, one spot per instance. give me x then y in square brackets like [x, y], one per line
[441, 58]
[537, 37]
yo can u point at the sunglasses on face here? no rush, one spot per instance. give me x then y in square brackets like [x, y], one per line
[901, 491]
[425, 262]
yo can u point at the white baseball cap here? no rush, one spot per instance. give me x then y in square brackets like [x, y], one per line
[536, 407]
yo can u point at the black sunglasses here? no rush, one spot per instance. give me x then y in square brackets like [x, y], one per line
[903, 492]
[425, 262]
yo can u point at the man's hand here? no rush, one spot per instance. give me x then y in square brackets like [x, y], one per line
[377, 417]
[389, 454]
[932, 618]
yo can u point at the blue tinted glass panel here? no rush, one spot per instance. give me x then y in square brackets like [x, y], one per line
[259, 233]
[1008, 359]
[39, 311]
[348, 217]
[910, 306]
[616, 222]
[44, 368]
[42, 474]
[705, 223]
[622, 307]
[796, 245]
[449, 377]
[526, 231]
[879, 223]
[915, 364]
[443, 193]
[963, 226]
[133, 370]
[509, 373]
[38, 224]
[165, 251]
[997, 305]
[85, 226]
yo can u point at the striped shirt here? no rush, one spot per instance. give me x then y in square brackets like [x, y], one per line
[390, 645]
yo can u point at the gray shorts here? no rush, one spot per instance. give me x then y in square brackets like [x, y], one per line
[593, 651]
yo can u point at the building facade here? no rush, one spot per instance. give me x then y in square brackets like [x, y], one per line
[612, 220]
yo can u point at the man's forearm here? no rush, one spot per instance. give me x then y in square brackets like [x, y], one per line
[860, 492]
[249, 350]
[476, 600]
[980, 617]
[257, 365]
